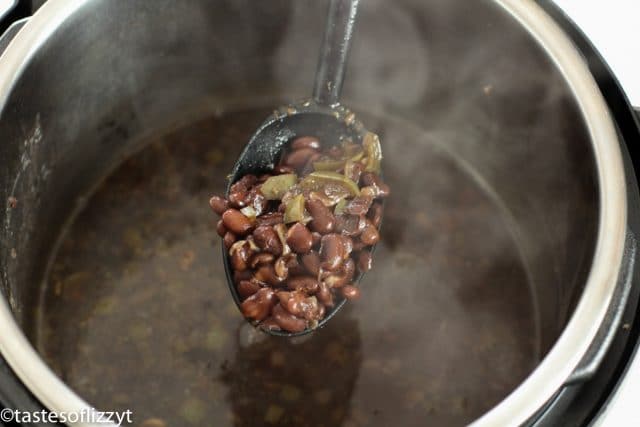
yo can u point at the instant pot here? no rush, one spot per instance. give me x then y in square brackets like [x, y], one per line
[511, 89]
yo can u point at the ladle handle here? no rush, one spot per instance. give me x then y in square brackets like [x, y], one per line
[334, 50]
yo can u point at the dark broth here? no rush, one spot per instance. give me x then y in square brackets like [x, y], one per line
[137, 314]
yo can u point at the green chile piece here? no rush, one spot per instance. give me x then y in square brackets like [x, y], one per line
[275, 186]
[316, 181]
[294, 209]
[339, 209]
[373, 150]
[328, 165]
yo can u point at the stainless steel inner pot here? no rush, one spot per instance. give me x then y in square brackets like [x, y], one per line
[495, 82]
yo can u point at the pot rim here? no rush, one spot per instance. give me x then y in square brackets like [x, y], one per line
[570, 347]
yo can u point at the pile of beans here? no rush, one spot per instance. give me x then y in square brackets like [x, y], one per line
[298, 237]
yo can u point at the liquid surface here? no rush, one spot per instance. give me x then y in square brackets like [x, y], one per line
[137, 314]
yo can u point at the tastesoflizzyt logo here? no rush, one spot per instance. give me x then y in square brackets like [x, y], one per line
[85, 416]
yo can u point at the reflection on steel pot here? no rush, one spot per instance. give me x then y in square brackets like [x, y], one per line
[504, 250]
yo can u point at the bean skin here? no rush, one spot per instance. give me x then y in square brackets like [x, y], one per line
[332, 252]
[323, 219]
[246, 288]
[218, 204]
[306, 142]
[258, 306]
[299, 238]
[350, 292]
[304, 283]
[236, 222]
[267, 239]
[288, 321]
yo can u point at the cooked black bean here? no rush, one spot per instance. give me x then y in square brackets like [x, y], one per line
[370, 235]
[287, 274]
[324, 295]
[317, 237]
[257, 201]
[374, 185]
[236, 222]
[343, 277]
[287, 321]
[239, 276]
[281, 268]
[347, 243]
[359, 205]
[218, 204]
[305, 283]
[261, 258]
[323, 220]
[332, 252]
[300, 305]
[358, 245]
[350, 292]
[306, 142]
[220, 228]
[299, 158]
[267, 274]
[229, 239]
[270, 218]
[246, 288]
[295, 267]
[267, 239]
[311, 262]
[375, 214]
[299, 238]
[240, 253]
[259, 305]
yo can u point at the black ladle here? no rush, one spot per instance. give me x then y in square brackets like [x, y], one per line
[321, 117]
